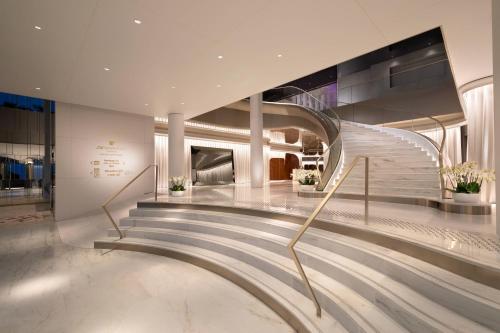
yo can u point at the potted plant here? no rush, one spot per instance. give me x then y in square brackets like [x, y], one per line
[177, 186]
[306, 179]
[466, 181]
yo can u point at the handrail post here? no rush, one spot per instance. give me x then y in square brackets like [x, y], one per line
[440, 156]
[156, 182]
[104, 206]
[367, 161]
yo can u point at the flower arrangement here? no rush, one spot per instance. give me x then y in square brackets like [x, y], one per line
[467, 178]
[177, 184]
[305, 177]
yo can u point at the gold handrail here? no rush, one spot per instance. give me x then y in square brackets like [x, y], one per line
[123, 189]
[311, 218]
[440, 150]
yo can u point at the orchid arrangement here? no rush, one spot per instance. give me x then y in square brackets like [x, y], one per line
[306, 177]
[467, 178]
[177, 183]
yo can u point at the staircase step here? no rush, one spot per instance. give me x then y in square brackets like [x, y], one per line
[317, 257]
[295, 303]
[354, 312]
[393, 182]
[390, 191]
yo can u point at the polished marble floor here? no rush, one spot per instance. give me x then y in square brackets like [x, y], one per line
[469, 236]
[49, 286]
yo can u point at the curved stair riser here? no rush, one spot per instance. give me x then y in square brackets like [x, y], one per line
[335, 305]
[267, 293]
[440, 291]
[389, 154]
[347, 273]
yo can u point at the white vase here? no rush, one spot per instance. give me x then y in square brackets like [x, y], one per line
[176, 193]
[470, 198]
[307, 188]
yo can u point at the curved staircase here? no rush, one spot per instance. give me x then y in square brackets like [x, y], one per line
[362, 287]
[399, 166]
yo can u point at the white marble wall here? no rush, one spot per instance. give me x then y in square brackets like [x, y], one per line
[79, 129]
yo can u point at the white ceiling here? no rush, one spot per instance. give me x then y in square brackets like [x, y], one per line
[179, 41]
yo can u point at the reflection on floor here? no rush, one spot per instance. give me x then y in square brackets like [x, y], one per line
[20, 196]
[470, 236]
[48, 286]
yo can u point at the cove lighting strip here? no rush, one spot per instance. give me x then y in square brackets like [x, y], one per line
[222, 129]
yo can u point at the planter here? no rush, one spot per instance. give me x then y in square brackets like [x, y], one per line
[307, 188]
[176, 193]
[470, 198]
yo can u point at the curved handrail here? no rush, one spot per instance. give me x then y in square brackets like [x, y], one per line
[311, 218]
[440, 151]
[104, 206]
[317, 100]
[329, 110]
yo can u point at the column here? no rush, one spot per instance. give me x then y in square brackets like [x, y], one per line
[496, 94]
[47, 144]
[176, 158]
[256, 142]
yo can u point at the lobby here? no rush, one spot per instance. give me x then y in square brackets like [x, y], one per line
[236, 166]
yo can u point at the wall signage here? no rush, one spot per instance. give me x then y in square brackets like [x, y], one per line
[109, 161]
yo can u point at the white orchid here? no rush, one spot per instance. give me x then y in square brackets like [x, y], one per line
[466, 177]
[305, 176]
[177, 183]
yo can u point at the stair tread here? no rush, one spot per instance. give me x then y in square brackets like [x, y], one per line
[299, 304]
[450, 286]
[420, 306]
[334, 290]
[424, 268]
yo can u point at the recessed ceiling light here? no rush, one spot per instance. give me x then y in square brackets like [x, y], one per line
[220, 57]
[218, 86]
[107, 69]
[173, 87]
[136, 21]
[182, 103]
[146, 104]
[280, 55]
[37, 88]
[37, 27]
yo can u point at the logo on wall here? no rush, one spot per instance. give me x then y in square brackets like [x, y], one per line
[109, 161]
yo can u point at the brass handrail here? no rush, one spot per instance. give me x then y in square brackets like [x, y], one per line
[123, 189]
[440, 150]
[311, 218]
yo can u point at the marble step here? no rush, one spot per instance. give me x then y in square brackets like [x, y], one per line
[338, 266]
[391, 191]
[381, 174]
[408, 160]
[394, 154]
[387, 163]
[366, 140]
[380, 145]
[298, 306]
[355, 313]
[381, 150]
[478, 302]
[376, 169]
[393, 182]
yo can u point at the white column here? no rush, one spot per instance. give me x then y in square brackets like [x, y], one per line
[496, 98]
[256, 141]
[176, 158]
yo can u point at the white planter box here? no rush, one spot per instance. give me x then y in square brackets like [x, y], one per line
[177, 193]
[471, 198]
[307, 188]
